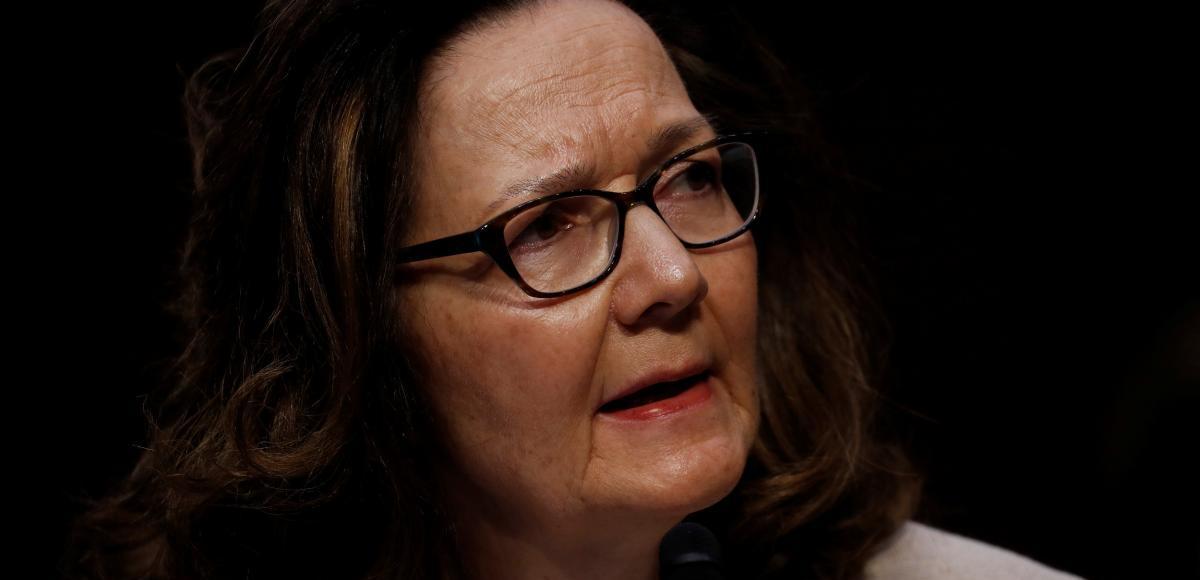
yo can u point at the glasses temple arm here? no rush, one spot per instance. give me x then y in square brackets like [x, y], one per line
[463, 243]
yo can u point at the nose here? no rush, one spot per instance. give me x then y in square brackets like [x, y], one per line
[656, 278]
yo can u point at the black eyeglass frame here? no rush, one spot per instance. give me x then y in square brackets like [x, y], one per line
[489, 237]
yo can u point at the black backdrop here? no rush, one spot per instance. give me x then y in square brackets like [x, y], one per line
[1032, 225]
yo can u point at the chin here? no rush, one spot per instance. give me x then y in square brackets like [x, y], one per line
[669, 469]
[682, 483]
[710, 477]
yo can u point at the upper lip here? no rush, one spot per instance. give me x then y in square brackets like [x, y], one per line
[659, 375]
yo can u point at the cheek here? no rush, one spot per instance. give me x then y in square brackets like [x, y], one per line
[733, 301]
[494, 370]
[733, 295]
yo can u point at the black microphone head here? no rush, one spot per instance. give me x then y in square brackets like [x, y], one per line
[688, 543]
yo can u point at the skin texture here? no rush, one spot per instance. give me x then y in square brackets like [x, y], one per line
[541, 485]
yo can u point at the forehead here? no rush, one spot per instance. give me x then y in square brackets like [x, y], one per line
[559, 83]
[561, 63]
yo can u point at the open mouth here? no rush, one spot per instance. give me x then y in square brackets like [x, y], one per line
[653, 394]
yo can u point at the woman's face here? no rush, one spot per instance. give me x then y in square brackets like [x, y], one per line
[517, 383]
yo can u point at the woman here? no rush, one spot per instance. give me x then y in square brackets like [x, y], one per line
[508, 291]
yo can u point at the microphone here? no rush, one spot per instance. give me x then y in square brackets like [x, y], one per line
[689, 552]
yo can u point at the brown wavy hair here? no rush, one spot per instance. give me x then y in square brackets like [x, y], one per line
[290, 437]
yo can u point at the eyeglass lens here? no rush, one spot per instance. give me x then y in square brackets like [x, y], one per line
[566, 243]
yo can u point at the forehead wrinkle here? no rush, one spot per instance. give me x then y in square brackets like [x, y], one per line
[521, 102]
[581, 91]
[520, 113]
[568, 78]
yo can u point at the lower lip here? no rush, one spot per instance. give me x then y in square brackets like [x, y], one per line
[698, 394]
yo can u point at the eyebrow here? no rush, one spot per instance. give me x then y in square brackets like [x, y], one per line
[663, 141]
[668, 138]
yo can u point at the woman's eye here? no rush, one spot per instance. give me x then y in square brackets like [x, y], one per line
[542, 230]
[548, 225]
[698, 177]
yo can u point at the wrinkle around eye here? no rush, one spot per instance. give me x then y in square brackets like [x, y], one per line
[468, 267]
[502, 293]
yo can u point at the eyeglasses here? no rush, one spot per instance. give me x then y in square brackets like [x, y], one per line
[568, 241]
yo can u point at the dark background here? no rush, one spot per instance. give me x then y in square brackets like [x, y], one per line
[1031, 218]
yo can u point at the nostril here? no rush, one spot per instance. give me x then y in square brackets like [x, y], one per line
[662, 314]
[666, 310]
[657, 310]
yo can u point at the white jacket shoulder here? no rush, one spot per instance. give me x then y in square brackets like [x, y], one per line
[919, 552]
